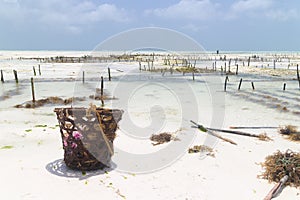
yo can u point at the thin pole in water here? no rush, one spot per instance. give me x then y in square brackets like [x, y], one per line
[16, 76]
[298, 77]
[40, 70]
[34, 72]
[102, 85]
[225, 85]
[2, 78]
[109, 77]
[83, 77]
[252, 85]
[240, 84]
[32, 90]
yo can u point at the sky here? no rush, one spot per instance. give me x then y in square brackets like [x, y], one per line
[232, 25]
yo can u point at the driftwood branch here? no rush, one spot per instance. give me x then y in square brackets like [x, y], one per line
[253, 127]
[226, 131]
[211, 132]
[276, 190]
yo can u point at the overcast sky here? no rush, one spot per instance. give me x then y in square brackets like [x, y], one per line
[245, 25]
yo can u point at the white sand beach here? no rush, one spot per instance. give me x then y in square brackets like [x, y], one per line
[156, 101]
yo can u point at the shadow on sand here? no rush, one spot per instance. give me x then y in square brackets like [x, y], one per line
[59, 168]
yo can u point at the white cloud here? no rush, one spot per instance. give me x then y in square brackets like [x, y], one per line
[187, 9]
[251, 5]
[70, 14]
[283, 15]
[262, 9]
[194, 27]
[106, 12]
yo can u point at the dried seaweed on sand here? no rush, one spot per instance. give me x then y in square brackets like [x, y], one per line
[48, 101]
[202, 149]
[163, 138]
[290, 131]
[280, 164]
[264, 137]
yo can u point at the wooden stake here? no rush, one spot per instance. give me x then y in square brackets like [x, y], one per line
[40, 70]
[193, 76]
[32, 90]
[16, 76]
[34, 72]
[252, 85]
[240, 84]
[225, 85]
[284, 85]
[109, 77]
[102, 86]
[298, 77]
[237, 69]
[249, 61]
[274, 61]
[2, 78]
[82, 76]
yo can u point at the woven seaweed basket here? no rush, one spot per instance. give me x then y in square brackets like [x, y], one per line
[87, 136]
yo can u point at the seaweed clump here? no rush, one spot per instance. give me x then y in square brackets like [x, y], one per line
[162, 138]
[49, 101]
[202, 149]
[291, 132]
[264, 137]
[280, 164]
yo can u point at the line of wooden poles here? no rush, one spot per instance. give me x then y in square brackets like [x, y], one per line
[252, 84]
[109, 78]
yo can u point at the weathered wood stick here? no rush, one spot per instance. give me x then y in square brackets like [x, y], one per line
[40, 70]
[16, 76]
[102, 85]
[2, 78]
[34, 72]
[252, 127]
[32, 90]
[240, 84]
[225, 84]
[82, 76]
[226, 131]
[284, 85]
[252, 85]
[109, 77]
[234, 132]
[203, 129]
[220, 137]
[277, 188]
[249, 61]
[298, 76]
